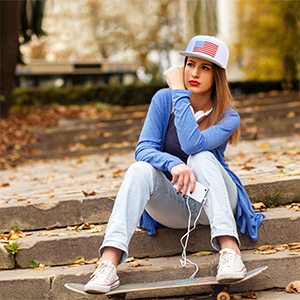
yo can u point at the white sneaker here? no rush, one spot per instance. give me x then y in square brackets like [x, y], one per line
[231, 266]
[104, 279]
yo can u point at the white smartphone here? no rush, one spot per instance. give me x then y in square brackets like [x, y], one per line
[198, 193]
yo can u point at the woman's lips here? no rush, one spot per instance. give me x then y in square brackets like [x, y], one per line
[193, 82]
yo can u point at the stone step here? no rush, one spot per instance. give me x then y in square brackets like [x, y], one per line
[257, 100]
[49, 193]
[44, 246]
[125, 125]
[18, 284]
[72, 208]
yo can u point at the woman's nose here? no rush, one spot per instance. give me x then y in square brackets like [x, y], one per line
[196, 74]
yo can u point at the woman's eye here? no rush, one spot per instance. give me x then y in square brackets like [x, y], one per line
[190, 64]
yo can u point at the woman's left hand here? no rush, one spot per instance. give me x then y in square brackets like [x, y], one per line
[174, 77]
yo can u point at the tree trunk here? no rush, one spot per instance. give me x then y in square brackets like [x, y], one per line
[10, 26]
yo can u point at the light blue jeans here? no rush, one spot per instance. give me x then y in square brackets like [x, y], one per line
[145, 187]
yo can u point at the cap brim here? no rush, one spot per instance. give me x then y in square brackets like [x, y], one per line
[201, 55]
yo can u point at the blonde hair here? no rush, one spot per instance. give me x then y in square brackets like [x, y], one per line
[222, 100]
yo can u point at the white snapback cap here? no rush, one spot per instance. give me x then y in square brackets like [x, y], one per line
[209, 48]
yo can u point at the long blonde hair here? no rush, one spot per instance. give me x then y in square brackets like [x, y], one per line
[222, 100]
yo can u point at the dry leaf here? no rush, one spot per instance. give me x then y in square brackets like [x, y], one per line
[247, 168]
[293, 287]
[202, 253]
[129, 259]
[14, 237]
[136, 263]
[250, 295]
[264, 146]
[86, 194]
[95, 229]
[42, 267]
[117, 174]
[280, 247]
[20, 200]
[5, 184]
[237, 297]
[260, 205]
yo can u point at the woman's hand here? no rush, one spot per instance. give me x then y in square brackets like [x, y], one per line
[174, 77]
[184, 175]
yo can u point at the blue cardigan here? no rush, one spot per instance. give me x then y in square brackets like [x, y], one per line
[192, 141]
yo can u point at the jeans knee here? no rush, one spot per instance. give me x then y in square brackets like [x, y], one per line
[200, 160]
[140, 168]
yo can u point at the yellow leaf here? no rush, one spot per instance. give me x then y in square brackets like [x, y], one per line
[285, 162]
[264, 146]
[202, 253]
[14, 237]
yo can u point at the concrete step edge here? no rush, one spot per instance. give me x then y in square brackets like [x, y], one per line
[43, 246]
[73, 208]
[33, 284]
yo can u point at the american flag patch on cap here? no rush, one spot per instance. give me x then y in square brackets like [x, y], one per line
[206, 48]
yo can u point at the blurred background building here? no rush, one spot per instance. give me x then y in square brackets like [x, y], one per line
[143, 37]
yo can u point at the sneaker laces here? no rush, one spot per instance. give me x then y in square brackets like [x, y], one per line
[227, 260]
[102, 270]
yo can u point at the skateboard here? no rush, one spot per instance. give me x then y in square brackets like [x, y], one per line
[221, 289]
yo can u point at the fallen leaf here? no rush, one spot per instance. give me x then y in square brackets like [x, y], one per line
[136, 263]
[117, 173]
[42, 267]
[107, 156]
[95, 229]
[280, 247]
[260, 205]
[129, 259]
[247, 168]
[250, 295]
[81, 261]
[264, 146]
[293, 287]
[237, 297]
[14, 237]
[202, 253]
[5, 184]
[86, 194]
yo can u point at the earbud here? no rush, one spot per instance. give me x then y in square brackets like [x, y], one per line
[200, 115]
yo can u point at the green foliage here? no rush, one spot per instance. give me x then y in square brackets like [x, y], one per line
[269, 40]
[273, 203]
[33, 264]
[16, 227]
[13, 247]
[113, 95]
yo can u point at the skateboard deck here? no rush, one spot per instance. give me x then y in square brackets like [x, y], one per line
[160, 285]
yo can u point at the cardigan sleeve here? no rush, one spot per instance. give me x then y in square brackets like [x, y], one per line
[152, 137]
[191, 139]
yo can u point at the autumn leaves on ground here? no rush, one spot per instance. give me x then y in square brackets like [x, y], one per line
[18, 131]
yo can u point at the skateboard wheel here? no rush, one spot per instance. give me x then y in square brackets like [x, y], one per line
[223, 296]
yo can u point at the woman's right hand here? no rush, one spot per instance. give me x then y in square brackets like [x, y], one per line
[174, 77]
[184, 175]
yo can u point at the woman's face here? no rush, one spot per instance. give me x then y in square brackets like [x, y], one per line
[198, 75]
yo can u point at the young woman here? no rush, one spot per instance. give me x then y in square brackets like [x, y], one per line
[176, 146]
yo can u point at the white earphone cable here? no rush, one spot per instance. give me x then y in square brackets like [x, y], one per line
[184, 261]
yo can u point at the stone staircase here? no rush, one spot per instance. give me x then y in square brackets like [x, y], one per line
[261, 116]
[46, 201]
[45, 198]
